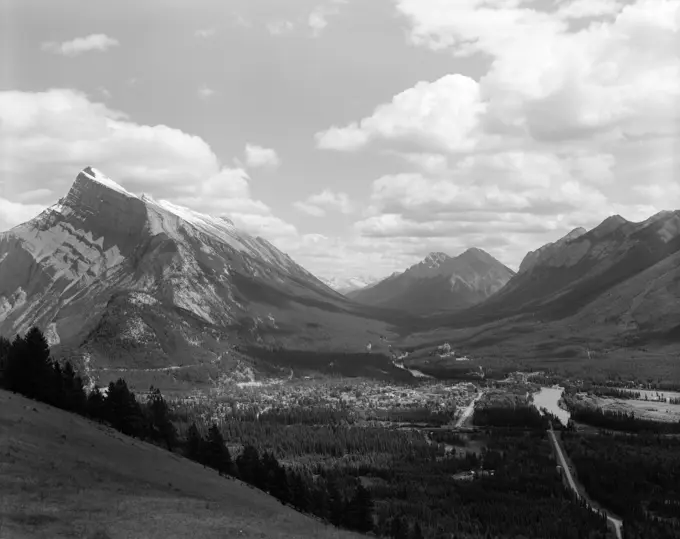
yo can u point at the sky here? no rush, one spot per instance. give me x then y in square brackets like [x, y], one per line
[355, 135]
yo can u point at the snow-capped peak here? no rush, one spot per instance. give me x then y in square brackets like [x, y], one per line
[99, 177]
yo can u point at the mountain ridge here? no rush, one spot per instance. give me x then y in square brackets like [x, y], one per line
[88, 268]
[439, 282]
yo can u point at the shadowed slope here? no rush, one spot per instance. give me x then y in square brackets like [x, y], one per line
[64, 476]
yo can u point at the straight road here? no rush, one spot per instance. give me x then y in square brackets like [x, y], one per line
[468, 411]
[617, 523]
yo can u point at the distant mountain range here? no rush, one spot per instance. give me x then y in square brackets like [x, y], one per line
[125, 283]
[345, 285]
[617, 284]
[439, 282]
[129, 282]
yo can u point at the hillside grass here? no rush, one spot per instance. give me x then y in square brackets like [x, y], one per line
[64, 476]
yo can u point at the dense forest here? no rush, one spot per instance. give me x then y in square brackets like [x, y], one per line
[395, 483]
[523, 416]
[621, 421]
[635, 476]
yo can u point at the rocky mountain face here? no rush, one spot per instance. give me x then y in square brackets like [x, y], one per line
[347, 285]
[133, 283]
[542, 254]
[439, 282]
[586, 273]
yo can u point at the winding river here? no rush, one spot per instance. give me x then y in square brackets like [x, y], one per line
[548, 398]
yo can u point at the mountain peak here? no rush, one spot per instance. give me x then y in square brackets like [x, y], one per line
[436, 258]
[92, 174]
[476, 253]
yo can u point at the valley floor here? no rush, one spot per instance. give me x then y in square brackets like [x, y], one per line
[64, 476]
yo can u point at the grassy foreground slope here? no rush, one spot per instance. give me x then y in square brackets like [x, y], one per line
[64, 476]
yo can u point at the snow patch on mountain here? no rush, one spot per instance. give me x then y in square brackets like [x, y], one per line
[51, 334]
[15, 301]
[99, 177]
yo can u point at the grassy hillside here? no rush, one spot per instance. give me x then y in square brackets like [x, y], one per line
[64, 476]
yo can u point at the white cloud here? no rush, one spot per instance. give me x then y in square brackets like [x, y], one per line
[50, 136]
[444, 115]
[257, 156]
[569, 124]
[277, 28]
[204, 92]
[581, 9]
[318, 18]
[15, 213]
[79, 45]
[328, 200]
[205, 33]
[432, 163]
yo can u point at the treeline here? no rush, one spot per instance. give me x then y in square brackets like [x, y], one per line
[622, 421]
[391, 482]
[348, 508]
[637, 477]
[26, 367]
[615, 392]
[369, 365]
[517, 416]
[412, 415]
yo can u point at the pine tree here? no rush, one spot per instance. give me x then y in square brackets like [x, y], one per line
[160, 424]
[29, 366]
[5, 345]
[95, 404]
[122, 410]
[74, 394]
[195, 444]
[218, 456]
[250, 467]
[300, 495]
[359, 513]
[336, 503]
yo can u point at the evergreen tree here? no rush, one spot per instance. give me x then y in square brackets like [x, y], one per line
[250, 467]
[217, 456]
[300, 495]
[399, 528]
[5, 345]
[160, 425]
[122, 410]
[359, 512]
[336, 504]
[194, 444]
[95, 404]
[29, 366]
[74, 397]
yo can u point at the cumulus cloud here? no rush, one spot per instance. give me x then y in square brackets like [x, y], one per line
[257, 156]
[80, 45]
[580, 9]
[49, 136]
[444, 114]
[319, 204]
[277, 28]
[570, 123]
[205, 92]
[15, 213]
[318, 18]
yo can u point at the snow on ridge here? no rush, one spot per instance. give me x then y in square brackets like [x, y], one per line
[219, 228]
[99, 177]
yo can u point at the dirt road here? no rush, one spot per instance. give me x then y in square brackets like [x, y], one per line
[617, 523]
[468, 411]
